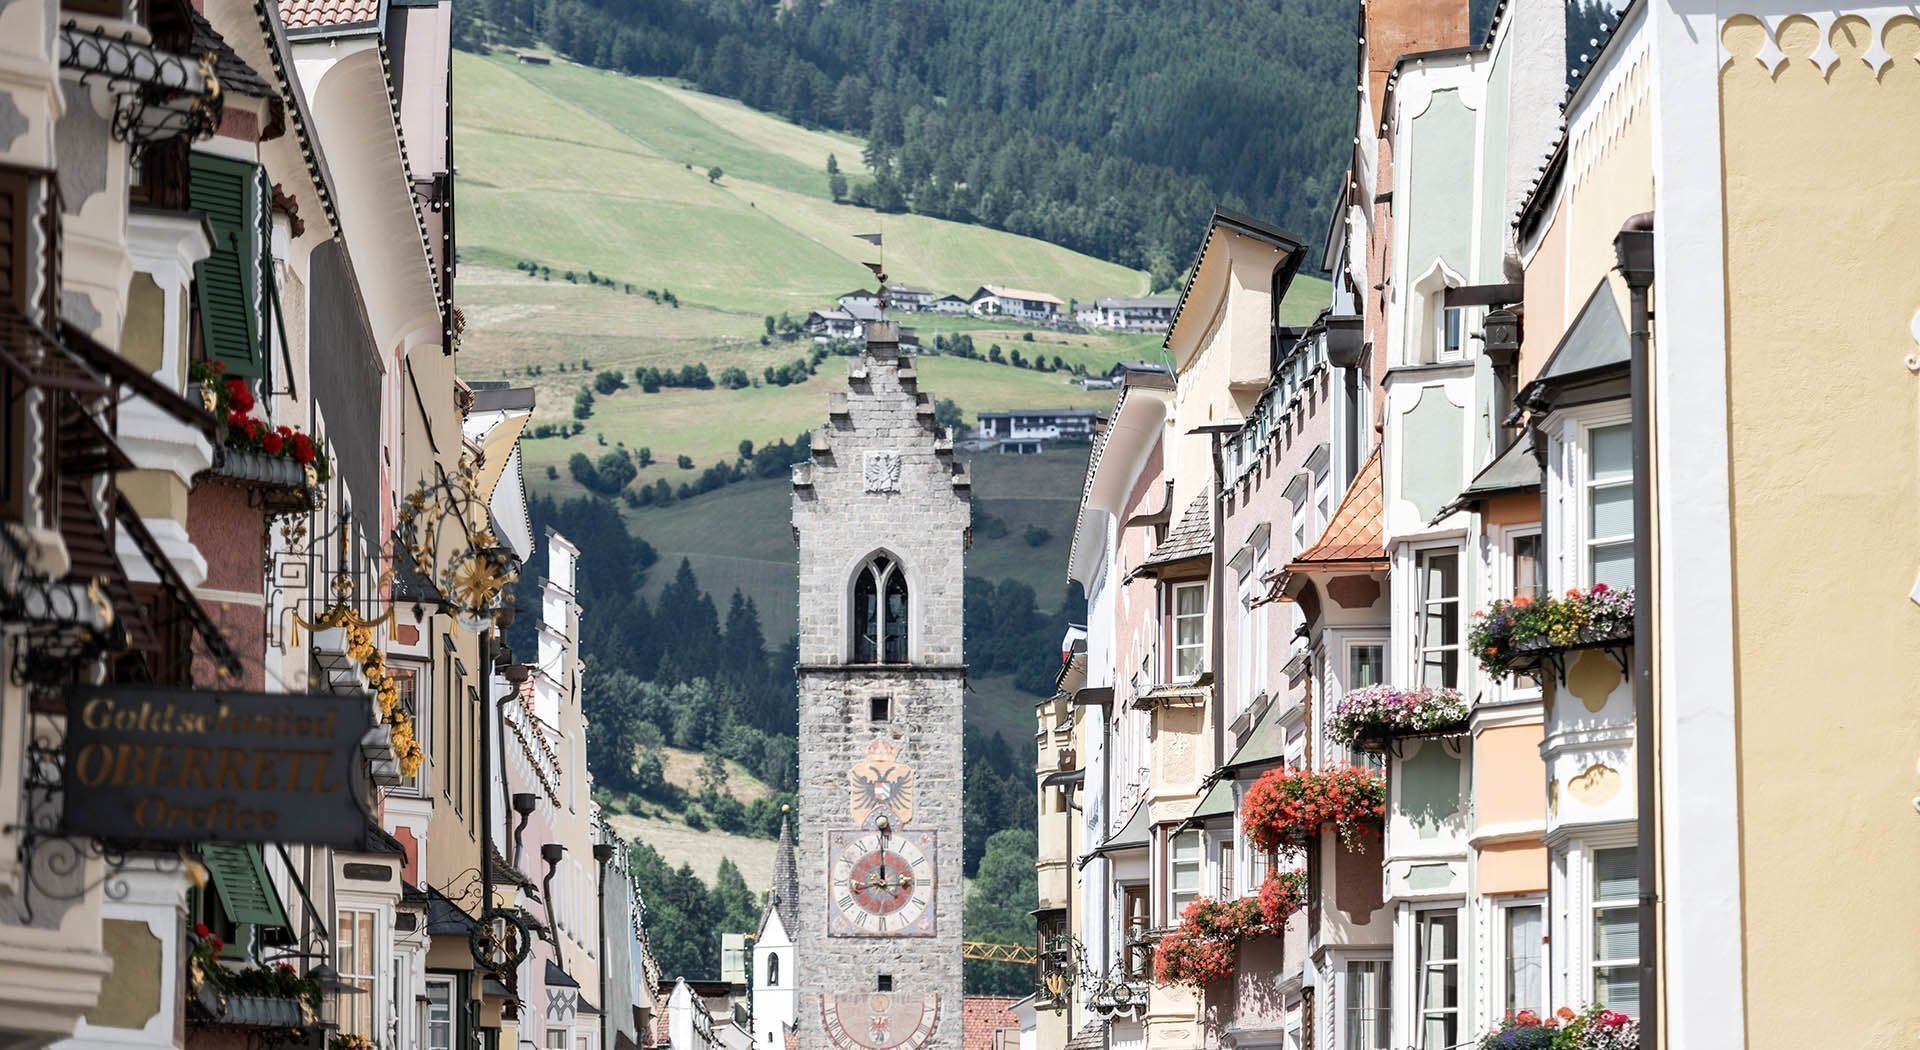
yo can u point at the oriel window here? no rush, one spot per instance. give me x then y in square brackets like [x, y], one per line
[880, 613]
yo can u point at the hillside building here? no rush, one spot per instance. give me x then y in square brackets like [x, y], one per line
[1027, 431]
[990, 300]
[1148, 314]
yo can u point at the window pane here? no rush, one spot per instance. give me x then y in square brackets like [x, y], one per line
[1612, 564]
[1439, 575]
[1616, 874]
[1610, 451]
[1189, 601]
[1616, 934]
[1526, 566]
[1525, 965]
[1612, 511]
[1367, 666]
[1367, 1013]
[1618, 988]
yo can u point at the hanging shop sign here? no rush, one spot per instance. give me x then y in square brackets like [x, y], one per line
[186, 766]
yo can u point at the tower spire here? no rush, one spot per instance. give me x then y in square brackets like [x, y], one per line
[786, 872]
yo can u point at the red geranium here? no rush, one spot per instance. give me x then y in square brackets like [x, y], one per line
[239, 398]
[1286, 808]
[1206, 946]
[302, 449]
[272, 443]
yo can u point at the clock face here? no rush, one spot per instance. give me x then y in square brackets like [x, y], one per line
[880, 884]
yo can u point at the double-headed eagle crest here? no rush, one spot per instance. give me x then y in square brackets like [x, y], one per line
[880, 785]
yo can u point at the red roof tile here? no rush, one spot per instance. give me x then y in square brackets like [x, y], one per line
[981, 1016]
[1354, 534]
[306, 14]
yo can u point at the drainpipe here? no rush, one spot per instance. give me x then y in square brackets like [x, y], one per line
[1216, 645]
[1633, 247]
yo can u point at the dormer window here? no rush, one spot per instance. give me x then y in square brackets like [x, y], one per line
[880, 612]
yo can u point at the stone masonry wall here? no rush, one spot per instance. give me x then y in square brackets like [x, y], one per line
[882, 479]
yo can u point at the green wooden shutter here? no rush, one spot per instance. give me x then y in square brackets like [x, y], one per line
[240, 874]
[227, 281]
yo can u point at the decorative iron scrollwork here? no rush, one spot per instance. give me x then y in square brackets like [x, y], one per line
[159, 95]
[66, 625]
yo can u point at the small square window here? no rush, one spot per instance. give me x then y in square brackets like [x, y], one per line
[885, 983]
[880, 709]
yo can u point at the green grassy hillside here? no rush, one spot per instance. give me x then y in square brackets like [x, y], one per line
[576, 169]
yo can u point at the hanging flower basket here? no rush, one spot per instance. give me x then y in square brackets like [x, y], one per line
[1206, 945]
[1366, 719]
[1286, 808]
[1511, 636]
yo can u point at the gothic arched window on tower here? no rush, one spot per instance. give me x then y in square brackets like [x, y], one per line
[773, 969]
[880, 612]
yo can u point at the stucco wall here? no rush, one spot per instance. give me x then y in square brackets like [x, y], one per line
[1821, 176]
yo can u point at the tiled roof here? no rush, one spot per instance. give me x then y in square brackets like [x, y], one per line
[1191, 538]
[983, 1015]
[308, 14]
[1020, 293]
[1354, 534]
[234, 73]
[1089, 1038]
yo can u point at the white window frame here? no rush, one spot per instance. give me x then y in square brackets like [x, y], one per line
[348, 970]
[1589, 542]
[1569, 447]
[1506, 580]
[1419, 602]
[1225, 866]
[1349, 645]
[1500, 981]
[1176, 898]
[1343, 1036]
[1247, 616]
[1175, 618]
[417, 675]
[427, 1021]
[1445, 317]
[1590, 916]
[1416, 994]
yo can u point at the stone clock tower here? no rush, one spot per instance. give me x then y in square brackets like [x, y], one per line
[881, 515]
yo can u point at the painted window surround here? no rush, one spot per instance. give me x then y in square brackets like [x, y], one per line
[1567, 457]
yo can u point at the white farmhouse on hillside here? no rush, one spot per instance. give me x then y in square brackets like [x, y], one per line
[1149, 314]
[991, 300]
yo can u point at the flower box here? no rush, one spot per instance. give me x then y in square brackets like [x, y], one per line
[1594, 1028]
[1516, 637]
[1368, 719]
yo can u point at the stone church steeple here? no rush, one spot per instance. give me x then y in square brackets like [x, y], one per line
[880, 512]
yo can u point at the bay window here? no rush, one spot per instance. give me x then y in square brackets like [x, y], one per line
[1609, 506]
[1189, 630]
[1437, 616]
[1438, 943]
[1614, 955]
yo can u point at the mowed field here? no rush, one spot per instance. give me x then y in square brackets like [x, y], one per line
[579, 169]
